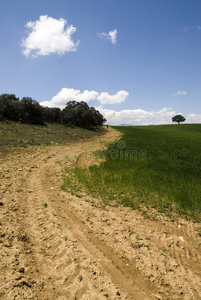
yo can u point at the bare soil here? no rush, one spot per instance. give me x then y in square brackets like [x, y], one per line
[57, 246]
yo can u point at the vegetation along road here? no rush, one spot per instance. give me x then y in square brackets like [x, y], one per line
[59, 245]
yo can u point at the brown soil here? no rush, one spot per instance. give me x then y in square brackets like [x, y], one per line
[57, 246]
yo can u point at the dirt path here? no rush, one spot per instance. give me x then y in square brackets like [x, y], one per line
[57, 246]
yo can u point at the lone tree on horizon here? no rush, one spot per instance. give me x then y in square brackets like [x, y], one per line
[178, 119]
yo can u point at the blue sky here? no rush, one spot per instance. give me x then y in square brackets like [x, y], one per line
[137, 61]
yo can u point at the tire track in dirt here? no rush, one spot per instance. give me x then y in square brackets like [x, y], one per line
[58, 246]
[122, 275]
[119, 276]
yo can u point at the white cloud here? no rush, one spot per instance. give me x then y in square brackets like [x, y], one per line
[48, 35]
[179, 92]
[112, 36]
[67, 94]
[103, 35]
[126, 116]
[143, 117]
[119, 97]
[138, 116]
[189, 28]
[193, 118]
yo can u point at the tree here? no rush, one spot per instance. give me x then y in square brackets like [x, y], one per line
[26, 110]
[8, 105]
[178, 119]
[51, 114]
[31, 111]
[81, 115]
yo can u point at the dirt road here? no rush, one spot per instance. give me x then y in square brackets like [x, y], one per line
[57, 246]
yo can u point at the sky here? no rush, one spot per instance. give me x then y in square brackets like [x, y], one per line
[137, 61]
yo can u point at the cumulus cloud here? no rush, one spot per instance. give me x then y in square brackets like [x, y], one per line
[67, 94]
[48, 35]
[112, 36]
[143, 117]
[193, 118]
[179, 92]
[119, 97]
[126, 116]
[138, 116]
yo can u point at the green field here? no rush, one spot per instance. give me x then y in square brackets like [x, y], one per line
[152, 166]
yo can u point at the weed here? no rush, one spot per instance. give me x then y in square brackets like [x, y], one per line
[45, 204]
[59, 162]
[124, 257]
[198, 231]
[146, 214]
[139, 244]
[138, 238]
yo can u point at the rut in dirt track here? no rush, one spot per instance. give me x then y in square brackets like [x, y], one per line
[61, 247]
[59, 234]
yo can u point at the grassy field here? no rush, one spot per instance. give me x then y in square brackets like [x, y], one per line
[22, 135]
[152, 166]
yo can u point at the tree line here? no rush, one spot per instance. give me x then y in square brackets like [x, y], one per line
[30, 111]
